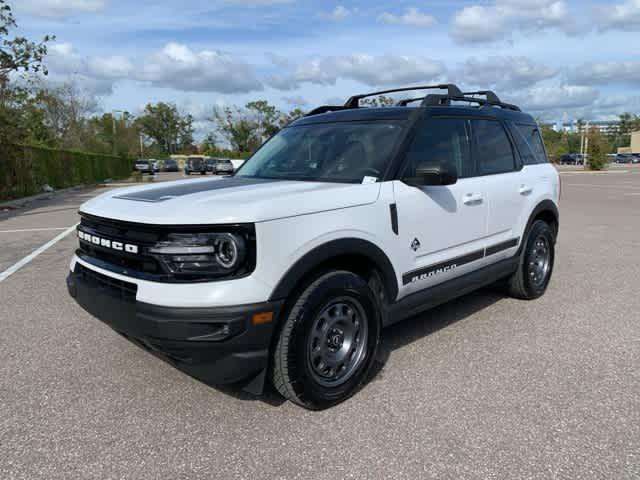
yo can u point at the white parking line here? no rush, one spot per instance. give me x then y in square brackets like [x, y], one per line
[17, 266]
[33, 230]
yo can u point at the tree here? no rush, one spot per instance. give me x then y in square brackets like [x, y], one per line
[18, 54]
[65, 111]
[380, 101]
[19, 119]
[237, 128]
[596, 150]
[266, 118]
[164, 124]
[293, 115]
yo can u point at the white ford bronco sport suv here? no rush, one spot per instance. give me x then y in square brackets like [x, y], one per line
[348, 220]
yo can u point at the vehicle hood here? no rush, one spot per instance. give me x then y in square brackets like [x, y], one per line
[227, 200]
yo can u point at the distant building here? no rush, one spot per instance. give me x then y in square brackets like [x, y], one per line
[604, 126]
[634, 145]
[635, 142]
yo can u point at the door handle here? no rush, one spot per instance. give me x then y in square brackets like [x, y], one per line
[525, 190]
[471, 198]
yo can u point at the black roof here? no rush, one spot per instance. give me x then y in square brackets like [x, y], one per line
[482, 103]
[403, 113]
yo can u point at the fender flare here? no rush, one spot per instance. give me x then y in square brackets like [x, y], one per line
[544, 206]
[345, 246]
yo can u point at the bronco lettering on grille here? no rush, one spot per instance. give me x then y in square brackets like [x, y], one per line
[106, 243]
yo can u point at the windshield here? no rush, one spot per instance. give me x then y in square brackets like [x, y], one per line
[339, 152]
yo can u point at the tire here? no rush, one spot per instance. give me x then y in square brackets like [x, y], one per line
[531, 279]
[336, 320]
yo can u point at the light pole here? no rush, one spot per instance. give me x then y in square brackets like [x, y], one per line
[141, 146]
[586, 144]
[113, 124]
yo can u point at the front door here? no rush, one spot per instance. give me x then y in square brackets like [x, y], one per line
[442, 229]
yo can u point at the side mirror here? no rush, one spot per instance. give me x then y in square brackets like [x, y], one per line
[438, 174]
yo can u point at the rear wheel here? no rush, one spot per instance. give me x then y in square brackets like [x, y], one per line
[328, 341]
[536, 263]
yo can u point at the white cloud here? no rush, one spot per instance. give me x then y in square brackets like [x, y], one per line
[606, 73]
[622, 16]
[173, 66]
[479, 23]
[411, 17]
[177, 66]
[368, 69]
[339, 13]
[62, 58]
[555, 97]
[59, 8]
[295, 101]
[114, 67]
[505, 72]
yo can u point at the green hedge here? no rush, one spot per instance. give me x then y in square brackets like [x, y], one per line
[25, 170]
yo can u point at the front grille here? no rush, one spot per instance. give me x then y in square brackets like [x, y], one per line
[121, 289]
[138, 263]
[123, 233]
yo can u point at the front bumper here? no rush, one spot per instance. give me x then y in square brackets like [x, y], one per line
[218, 345]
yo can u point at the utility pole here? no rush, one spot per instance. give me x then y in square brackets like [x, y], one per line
[141, 147]
[586, 145]
[113, 124]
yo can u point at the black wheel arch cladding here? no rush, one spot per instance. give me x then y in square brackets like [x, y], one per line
[324, 253]
[545, 208]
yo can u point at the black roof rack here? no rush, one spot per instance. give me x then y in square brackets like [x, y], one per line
[489, 95]
[453, 94]
[452, 90]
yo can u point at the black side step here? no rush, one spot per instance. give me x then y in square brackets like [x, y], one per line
[432, 297]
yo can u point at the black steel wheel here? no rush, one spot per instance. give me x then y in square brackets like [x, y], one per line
[536, 263]
[327, 341]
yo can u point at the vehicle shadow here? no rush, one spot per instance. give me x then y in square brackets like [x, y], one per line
[408, 331]
[395, 337]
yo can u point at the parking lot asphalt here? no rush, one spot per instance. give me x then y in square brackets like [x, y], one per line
[482, 387]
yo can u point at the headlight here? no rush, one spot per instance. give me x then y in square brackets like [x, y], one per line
[202, 254]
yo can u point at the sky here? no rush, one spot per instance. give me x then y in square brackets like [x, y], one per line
[558, 59]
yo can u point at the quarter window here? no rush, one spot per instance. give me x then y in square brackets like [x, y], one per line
[494, 152]
[437, 142]
[529, 144]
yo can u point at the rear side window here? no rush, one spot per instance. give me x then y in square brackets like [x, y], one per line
[529, 144]
[438, 141]
[494, 152]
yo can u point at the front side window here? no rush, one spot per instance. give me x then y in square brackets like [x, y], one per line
[493, 149]
[529, 144]
[440, 141]
[327, 152]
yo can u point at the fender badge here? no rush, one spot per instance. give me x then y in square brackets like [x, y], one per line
[415, 245]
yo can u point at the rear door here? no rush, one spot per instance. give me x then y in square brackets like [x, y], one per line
[508, 185]
[441, 229]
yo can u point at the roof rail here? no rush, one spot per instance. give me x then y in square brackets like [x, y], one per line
[325, 109]
[489, 95]
[452, 90]
[433, 99]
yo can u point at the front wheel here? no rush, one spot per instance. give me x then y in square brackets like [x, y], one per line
[536, 263]
[328, 341]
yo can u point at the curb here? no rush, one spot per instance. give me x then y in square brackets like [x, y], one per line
[24, 201]
[590, 172]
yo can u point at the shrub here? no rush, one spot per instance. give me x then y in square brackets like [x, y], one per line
[24, 170]
[596, 151]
